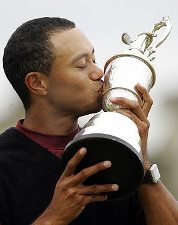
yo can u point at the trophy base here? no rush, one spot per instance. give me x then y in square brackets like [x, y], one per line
[127, 167]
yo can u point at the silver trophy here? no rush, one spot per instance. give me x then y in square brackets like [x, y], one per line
[110, 135]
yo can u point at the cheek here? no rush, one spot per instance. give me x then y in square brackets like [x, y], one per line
[67, 94]
[76, 89]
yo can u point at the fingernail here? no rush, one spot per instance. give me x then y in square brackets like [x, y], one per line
[107, 163]
[115, 187]
[83, 151]
[139, 85]
[112, 99]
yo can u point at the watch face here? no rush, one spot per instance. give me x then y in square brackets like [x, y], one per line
[155, 173]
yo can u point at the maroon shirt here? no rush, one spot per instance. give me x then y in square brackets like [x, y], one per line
[54, 143]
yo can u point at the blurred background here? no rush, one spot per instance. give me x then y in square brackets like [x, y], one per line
[104, 22]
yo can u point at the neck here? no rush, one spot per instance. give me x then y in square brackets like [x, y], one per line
[47, 122]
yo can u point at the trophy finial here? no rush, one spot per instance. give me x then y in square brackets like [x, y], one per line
[144, 40]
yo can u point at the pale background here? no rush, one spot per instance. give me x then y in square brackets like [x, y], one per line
[104, 21]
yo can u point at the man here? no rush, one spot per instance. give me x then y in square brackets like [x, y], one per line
[51, 65]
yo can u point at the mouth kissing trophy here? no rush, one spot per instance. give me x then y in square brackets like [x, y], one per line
[110, 135]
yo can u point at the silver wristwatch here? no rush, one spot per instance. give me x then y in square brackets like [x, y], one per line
[152, 176]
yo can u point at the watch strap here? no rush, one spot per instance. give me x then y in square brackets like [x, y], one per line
[152, 176]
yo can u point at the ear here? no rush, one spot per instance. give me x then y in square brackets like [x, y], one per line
[36, 83]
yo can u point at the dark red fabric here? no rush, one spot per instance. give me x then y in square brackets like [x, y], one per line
[54, 143]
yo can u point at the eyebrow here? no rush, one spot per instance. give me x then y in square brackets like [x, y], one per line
[82, 55]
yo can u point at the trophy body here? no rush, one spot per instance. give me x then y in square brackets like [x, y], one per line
[110, 135]
[122, 73]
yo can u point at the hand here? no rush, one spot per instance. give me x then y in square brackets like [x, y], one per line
[139, 115]
[71, 196]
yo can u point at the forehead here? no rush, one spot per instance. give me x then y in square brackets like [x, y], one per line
[70, 43]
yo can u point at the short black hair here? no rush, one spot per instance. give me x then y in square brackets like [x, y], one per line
[30, 49]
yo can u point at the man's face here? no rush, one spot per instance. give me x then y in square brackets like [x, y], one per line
[74, 84]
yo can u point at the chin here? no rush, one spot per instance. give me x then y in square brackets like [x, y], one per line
[91, 110]
[93, 106]
[95, 110]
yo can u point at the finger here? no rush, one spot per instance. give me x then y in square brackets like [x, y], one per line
[97, 189]
[148, 102]
[143, 126]
[89, 171]
[131, 105]
[73, 162]
[95, 198]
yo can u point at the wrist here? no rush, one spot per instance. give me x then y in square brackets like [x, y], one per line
[147, 165]
[146, 162]
[49, 218]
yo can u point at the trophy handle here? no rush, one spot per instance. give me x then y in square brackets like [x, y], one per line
[166, 21]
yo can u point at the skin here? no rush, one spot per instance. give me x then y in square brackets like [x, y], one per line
[73, 89]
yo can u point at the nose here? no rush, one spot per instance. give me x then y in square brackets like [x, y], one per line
[96, 73]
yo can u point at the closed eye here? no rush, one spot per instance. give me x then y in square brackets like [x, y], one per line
[82, 66]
